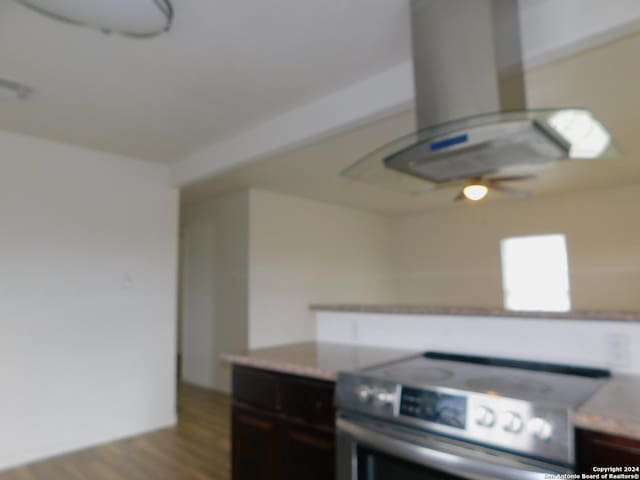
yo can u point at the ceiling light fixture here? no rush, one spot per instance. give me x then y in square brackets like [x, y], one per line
[136, 18]
[475, 192]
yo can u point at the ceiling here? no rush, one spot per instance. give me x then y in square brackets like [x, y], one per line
[235, 82]
[224, 66]
[604, 79]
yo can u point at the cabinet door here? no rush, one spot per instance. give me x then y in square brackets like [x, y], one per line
[254, 449]
[311, 402]
[602, 450]
[307, 453]
[257, 388]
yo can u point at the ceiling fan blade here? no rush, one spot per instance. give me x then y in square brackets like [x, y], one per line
[511, 178]
[450, 185]
[511, 191]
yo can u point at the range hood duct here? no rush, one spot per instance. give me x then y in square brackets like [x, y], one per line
[466, 59]
[471, 104]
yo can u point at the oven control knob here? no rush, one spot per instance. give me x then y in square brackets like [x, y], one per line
[364, 393]
[511, 422]
[383, 397]
[540, 428]
[485, 417]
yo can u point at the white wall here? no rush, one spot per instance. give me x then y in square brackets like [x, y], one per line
[304, 252]
[88, 249]
[594, 343]
[214, 287]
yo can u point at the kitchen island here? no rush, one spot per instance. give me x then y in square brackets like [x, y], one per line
[283, 411]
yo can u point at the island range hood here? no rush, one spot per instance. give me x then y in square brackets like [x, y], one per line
[471, 105]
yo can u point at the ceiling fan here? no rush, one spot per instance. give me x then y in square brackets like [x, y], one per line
[477, 188]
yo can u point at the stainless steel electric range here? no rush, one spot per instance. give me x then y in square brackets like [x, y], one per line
[448, 416]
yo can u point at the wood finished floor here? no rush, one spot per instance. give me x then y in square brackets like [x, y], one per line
[197, 449]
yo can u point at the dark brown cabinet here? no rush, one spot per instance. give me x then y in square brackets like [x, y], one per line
[308, 453]
[255, 441]
[308, 401]
[282, 426]
[596, 449]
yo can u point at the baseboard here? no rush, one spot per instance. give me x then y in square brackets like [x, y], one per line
[52, 451]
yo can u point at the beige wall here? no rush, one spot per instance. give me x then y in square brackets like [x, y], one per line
[304, 252]
[253, 262]
[232, 292]
[273, 255]
[197, 315]
[452, 256]
[214, 286]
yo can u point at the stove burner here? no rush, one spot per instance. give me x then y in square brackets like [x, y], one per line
[425, 374]
[508, 385]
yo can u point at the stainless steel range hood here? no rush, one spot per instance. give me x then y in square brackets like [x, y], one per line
[471, 104]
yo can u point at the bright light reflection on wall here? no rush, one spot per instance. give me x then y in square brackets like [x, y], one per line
[535, 273]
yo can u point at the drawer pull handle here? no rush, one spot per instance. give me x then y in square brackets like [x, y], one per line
[631, 449]
[255, 422]
[309, 440]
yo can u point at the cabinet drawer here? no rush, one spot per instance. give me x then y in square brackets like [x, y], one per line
[309, 401]
[600, 450]
[307, 453]
[258, 388]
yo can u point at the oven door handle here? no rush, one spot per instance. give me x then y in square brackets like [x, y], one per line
[447, 461]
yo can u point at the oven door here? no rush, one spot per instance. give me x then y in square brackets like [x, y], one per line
[372, 450]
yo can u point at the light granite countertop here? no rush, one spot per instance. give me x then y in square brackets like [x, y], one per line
[614, 409]
[600, 315]
[316, 360]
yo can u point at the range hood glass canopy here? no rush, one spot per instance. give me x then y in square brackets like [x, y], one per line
[483, 145]
[467, 62]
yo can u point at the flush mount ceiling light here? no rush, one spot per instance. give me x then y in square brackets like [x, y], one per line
[137, 18]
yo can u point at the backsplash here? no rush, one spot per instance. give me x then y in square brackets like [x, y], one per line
[595, 343]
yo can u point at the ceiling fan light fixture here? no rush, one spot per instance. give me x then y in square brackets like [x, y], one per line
[475, 192]
[137, 18]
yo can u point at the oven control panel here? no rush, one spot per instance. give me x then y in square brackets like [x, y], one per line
[503, 422]
[436, 407]
[543, 431]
